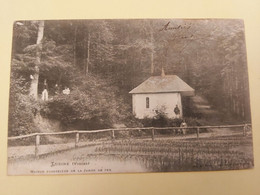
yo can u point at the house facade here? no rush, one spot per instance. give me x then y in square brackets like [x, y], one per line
[160, 93]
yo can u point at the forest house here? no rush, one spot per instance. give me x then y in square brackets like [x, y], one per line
[160, 93]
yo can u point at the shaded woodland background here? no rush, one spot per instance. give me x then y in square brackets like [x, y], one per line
[102, 60]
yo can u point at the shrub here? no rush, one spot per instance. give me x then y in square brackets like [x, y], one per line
[161, 120]
[22, 108]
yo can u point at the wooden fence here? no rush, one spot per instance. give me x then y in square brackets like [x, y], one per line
[246, 128]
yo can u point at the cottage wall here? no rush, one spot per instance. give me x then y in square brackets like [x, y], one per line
[157, 101]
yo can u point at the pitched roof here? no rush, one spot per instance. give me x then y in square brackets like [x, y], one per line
[164, 84]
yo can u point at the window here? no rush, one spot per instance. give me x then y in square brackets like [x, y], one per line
[147, 102]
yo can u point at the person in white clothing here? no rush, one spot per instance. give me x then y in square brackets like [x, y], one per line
[45, 91]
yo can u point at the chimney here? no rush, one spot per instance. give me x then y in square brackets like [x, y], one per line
[163, 73]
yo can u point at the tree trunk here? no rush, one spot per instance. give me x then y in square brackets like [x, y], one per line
[86, 57]
[75, 45]
[84, 53]
[87, 65]
[152, 51]
[35, 78]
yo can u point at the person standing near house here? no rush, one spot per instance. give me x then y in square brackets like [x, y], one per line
[184, 124]
[177, 111]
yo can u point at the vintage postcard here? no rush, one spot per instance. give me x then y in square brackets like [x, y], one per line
[135, 95]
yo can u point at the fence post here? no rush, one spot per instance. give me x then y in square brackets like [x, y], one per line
[152, 133]
[113, 134]
[77, 140]
[198, 132]
[244, 129]
[37, 144]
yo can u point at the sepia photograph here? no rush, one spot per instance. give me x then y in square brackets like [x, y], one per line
[129, 95]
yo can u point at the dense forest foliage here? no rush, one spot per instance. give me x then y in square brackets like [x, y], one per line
[100, 61]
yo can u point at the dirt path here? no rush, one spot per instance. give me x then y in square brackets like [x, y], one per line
[48, 126]
[203, 109]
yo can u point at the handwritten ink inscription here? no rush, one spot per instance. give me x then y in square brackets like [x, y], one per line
[168, 27]
[174, 28]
